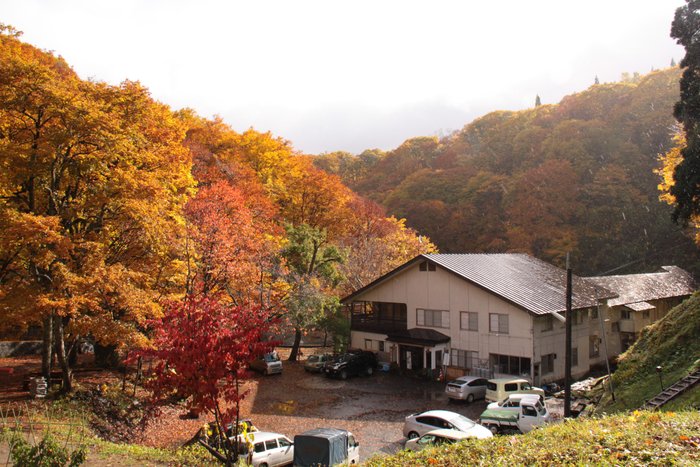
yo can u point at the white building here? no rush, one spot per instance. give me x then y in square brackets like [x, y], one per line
[491, 314]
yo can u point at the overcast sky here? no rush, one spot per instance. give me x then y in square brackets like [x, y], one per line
[350, 75]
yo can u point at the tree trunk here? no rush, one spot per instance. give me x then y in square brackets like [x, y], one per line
[62, 357]
[295, 348]
[47, 348]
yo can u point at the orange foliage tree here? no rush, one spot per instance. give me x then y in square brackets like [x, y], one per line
[92, 187]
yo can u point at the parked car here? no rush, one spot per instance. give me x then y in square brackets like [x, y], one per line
[315, 363]
[500, 388]
[265, 449]
[466, 388]
[268, 364]
[522, 413]
[353, 363]
[436, 438]
[419, 424]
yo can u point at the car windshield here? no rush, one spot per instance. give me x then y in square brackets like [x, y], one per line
[271, 357]
[462, 422]
[314, 358]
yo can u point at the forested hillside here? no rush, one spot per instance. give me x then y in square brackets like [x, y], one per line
[112, 204]
[578, 177]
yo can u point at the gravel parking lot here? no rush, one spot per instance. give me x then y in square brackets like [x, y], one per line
[373, 408]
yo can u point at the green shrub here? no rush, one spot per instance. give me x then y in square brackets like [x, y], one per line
[48, 453]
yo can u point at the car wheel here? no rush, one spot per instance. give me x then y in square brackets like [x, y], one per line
[412, 435]
[494, 429]
[263, 465]
[343, 374]
[369, 371]
[470, 398]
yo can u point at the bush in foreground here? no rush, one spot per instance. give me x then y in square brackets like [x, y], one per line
[640, 438]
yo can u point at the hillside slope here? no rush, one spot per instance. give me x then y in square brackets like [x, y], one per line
[671, 343]
[576, 177]
[644, 438]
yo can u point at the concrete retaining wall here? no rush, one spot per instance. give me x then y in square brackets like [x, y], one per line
[19, 348]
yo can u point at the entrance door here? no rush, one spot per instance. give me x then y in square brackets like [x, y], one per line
[412, 354]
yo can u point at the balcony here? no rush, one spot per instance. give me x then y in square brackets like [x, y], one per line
[378, 317]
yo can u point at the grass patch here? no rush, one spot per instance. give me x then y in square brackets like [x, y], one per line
[672, 343]
[640, 438]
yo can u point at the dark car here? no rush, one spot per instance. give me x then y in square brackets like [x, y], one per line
[352, 363]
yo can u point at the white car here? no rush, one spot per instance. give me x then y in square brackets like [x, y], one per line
[436, 438]
[418, 424]
[268, 450]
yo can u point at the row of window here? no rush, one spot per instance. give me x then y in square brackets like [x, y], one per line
[498, 322]
[468, 320]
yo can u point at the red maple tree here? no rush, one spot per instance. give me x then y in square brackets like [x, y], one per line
[201, 349]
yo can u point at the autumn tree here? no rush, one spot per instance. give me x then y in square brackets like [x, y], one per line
[200, 350]
[233, 226]
[92, 186]
[669, 162]
[312, 274]
[686, 187]
[376, 244]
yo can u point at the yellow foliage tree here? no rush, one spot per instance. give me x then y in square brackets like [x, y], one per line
[669, 162]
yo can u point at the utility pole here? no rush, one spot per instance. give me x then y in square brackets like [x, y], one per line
[567, 355]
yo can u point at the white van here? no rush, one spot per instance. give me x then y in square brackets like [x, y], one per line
[500, 388]
[268, 449]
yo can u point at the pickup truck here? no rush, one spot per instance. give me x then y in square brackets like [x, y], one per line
[520, 412]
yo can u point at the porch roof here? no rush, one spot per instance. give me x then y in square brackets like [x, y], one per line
[418, 336]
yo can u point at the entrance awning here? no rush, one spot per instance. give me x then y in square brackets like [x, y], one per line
[418, 336]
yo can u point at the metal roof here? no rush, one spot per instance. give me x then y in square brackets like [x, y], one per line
[527, 282]
[671, 281]
[640, 306]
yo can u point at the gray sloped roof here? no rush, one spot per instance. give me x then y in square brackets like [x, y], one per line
[527, 282]
[671, 281]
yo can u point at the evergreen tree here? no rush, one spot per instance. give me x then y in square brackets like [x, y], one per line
[686, 189]
[673, 62]
[597, 81]
[538, 102]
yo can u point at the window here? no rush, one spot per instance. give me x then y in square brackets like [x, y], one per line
[433, 318]
[498, 323]
[464, 358]
[511, 387]
[547, 363]
[547, 323]
[574, 356]
[368, 344]
[625, 314]
[469, 320]
[510, 364]
[426, 266]
[645, 314]
[578, 317]
[381, 346]
[270, 444]
[259, 447]
[529, 411]
[594, 313]
[284, 442]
